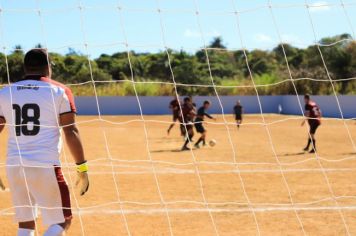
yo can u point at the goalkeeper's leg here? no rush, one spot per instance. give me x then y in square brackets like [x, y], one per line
[52, 192]
[26, 228]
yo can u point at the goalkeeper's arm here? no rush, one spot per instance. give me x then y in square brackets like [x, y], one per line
[2, 125]
[71, 132]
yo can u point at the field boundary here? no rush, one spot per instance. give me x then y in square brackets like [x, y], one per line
[128, 105]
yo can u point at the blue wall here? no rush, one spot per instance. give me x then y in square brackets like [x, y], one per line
[159, 105]
[327, 104]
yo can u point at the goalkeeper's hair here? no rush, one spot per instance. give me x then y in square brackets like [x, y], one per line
[36, 61]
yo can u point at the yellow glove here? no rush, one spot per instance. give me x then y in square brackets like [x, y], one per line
[82, 177]
[2, 186]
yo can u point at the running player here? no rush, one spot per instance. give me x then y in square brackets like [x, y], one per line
[313, 115]
[238, 111]
[202, 112]
[36, 108]
[188, 112]
[174, 106]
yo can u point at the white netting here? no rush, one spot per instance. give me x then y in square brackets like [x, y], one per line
[109, 169]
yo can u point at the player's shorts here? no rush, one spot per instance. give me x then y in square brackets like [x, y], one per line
[175, 117]
[313, 126]
[238, 117]
[199, 127]
[186, 127]
[35, 188]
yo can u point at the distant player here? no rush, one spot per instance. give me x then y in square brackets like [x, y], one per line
[202, 112]
[186, 120]
[35, 108]
[174, 106]
[238, 112]
[313, 115]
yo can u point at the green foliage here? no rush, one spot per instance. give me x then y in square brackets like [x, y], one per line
[124, 88]
[226, 68]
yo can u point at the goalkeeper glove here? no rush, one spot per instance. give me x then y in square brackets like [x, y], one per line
[2, 186]
[82, 177]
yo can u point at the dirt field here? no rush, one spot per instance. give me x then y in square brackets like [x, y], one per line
[253, 182]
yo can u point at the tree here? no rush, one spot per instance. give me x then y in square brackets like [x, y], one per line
[15, 65]
[293, 54]
[217, 43]
[227, 67]
[261, 62]
[39, 45]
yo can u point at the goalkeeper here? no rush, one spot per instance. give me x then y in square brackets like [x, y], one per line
[36, 108]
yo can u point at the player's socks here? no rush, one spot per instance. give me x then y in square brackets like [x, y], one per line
[187, 140]
[307, 147]
[199, 141]
[185, 148]
[169, 129]
[313, 146]
[54, 230]
[25, 232]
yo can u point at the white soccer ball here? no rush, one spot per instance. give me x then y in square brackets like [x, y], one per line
[212, 143]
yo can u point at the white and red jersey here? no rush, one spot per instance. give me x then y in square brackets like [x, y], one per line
[31, 108]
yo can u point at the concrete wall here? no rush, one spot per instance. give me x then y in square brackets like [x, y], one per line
[159, 105]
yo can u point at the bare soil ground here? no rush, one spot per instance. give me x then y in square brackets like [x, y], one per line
[255, 178]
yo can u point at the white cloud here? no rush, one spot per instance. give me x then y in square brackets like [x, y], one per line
[319, 6]
[263, 38]
[189, 33]
[214, 33]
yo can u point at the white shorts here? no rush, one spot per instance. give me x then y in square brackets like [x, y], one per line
[43, 188]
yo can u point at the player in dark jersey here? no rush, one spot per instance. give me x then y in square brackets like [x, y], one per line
[186, 120]
[199, 122]
[313, 115]
[238, 111]
[174, 106]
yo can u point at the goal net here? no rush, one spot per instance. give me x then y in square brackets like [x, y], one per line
[126, 60]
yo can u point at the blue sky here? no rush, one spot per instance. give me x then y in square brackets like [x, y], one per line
[101, 24]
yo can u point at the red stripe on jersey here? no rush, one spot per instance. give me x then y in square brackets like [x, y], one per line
[66, 89]
[63, 188]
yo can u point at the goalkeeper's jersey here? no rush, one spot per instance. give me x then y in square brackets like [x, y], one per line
[31, 108]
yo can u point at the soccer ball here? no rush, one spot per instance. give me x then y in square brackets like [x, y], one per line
[212, 143]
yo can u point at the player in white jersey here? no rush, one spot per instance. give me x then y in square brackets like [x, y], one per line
[35, 109]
